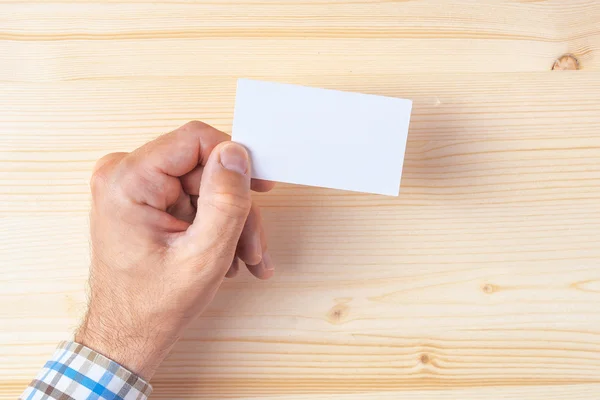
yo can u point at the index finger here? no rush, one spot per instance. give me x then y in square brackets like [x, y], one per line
[260, 185]
[179, 152]
[191, 182]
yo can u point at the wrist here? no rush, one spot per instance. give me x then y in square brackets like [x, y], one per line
[139, 351]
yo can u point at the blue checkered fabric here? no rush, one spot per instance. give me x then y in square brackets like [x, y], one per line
[77, 372]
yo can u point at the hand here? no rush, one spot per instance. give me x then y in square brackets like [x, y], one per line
[157, 257]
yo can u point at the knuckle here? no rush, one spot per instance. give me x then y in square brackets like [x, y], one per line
[99, 177]
[194, 126]
[102, 171]
[236, 205]
[127, 166]
[98, 181]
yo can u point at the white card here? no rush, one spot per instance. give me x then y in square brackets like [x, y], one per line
[321, 137]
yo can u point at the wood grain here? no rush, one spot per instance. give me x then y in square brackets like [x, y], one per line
[481, 280]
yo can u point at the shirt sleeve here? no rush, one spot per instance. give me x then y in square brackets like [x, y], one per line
[77, 372]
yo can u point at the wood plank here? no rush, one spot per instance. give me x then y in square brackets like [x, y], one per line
[480, 139]
[481, 280]
[59, 41]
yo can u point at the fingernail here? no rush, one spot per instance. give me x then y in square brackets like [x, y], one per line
[234, 158]
[258, 247]
[268, 263]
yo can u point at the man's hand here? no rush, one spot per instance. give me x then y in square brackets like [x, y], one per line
[169, 221]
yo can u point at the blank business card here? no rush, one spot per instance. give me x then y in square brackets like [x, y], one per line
[320, 137]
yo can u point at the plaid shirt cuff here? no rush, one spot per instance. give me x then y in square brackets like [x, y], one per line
[77, 372]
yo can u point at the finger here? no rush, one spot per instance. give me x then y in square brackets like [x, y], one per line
[182, 208]
[102, 183]
[194, 201]
[147, 186]
[180, 151]
[259, 185]
[233, 269]
[249, 248]
[265, 268]
[223, 206]
[149, 174]
[191, 182]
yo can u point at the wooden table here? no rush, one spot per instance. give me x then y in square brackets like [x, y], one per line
[481, 280]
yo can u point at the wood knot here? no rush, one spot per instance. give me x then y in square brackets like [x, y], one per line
[566, 62]
[338, 313]
[424, 358]
[488, 288]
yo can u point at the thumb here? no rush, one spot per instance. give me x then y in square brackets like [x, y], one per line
[223, 205]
